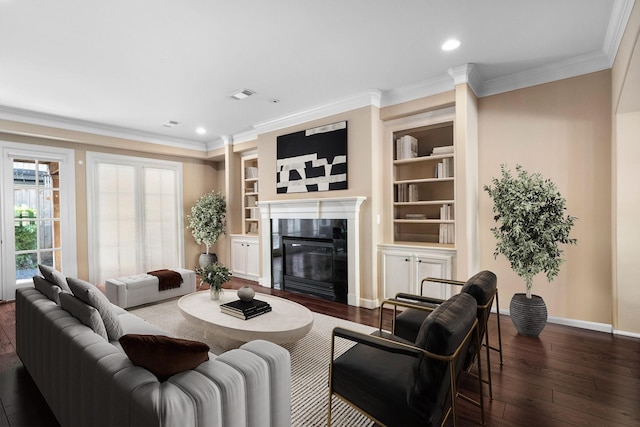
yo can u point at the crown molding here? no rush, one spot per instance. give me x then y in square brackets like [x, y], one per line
[417, 90]
[250, 135]
[366, 99]
[615, 30]
[571, 67]
[65, 123]
[467, 73]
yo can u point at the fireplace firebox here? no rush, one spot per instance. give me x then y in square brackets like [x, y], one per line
[310, 256]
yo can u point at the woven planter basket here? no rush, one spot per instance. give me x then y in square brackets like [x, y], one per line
[529, 316]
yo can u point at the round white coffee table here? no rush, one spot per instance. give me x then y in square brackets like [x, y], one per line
[286, 322]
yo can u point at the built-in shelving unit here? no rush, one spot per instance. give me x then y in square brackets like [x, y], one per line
[424, 184]
[250, 196]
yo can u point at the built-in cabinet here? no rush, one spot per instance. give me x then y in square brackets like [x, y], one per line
[250, 195]
[404, 267]
[245, 257]
[420, 241]
[424, 181]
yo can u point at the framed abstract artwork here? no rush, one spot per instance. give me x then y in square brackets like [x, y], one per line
[312, 160]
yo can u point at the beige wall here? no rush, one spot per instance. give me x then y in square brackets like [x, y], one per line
[199, 177]
[626, 195]
[562, 130]
[360, 135]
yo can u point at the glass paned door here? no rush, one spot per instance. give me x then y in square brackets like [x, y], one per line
[36, 205]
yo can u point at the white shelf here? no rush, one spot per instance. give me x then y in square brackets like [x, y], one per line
[423, 159]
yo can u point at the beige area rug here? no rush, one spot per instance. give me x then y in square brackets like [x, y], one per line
[309, 363]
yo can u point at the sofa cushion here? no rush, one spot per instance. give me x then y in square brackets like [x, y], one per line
[54, 276]
[92, 296]
[164, 356]
[84, 313]
[50, 290]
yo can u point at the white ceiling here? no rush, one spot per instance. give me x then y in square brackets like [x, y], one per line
[126, 67]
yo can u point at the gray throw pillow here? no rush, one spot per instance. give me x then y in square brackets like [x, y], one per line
[54, 276]
[84, 313]
[92, 296]
[50, 290]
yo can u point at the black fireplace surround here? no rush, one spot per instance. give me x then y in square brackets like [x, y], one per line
[310, 256]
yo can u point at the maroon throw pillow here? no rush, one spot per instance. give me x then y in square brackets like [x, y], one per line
[164, 356]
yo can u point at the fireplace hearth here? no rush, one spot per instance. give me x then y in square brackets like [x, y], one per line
[345, 208]
[310, 257]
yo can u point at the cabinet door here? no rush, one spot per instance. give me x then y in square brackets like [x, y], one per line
[252, 258]
[433, 267]
[397, 273]
[238, 257]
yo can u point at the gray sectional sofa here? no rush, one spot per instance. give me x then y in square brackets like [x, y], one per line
[88, 380]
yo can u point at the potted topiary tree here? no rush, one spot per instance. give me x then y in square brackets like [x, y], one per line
[207, 222]
[530, 213]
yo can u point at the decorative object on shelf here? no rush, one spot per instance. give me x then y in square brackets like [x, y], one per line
[530, 213]
[207, 222]
[246, 293]
[215, 275]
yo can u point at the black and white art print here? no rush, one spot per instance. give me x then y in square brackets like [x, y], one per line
[313, 160]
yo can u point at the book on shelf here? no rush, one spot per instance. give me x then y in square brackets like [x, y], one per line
[447, 149]
[446, 230]
[251, 201]
[407, 193]
[415, 216]
[251, 172]
[443, 169]
[406, 147]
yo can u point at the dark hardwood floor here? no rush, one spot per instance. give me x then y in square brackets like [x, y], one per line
[566, 377]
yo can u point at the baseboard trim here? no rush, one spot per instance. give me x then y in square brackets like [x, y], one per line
[626, 333]
[369, 303]
[583, 324]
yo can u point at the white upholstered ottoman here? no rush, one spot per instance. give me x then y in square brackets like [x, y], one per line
[130, 291]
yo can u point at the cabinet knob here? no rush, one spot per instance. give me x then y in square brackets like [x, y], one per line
[419, 260]
[406, 259]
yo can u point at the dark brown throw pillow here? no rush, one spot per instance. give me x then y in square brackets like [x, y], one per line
[164, 356]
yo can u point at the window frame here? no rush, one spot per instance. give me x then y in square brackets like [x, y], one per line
[139, 163]
[68, 242]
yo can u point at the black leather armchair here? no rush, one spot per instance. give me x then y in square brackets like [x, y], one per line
[483, 287]
[397, 383]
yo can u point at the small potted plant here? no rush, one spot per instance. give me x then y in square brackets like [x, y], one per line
[207, 222]
[215, 275]
[532, 223]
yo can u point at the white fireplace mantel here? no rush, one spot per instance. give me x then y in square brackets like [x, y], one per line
[326, 208]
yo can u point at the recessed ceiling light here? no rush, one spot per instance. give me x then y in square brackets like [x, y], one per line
[201, 131]
[242, 94]
[170, 124]
[451, 44]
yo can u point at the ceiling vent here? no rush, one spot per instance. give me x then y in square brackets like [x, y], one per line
[242, 94]
[170, 124]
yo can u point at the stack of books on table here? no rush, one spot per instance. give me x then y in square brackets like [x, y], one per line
[245, 309]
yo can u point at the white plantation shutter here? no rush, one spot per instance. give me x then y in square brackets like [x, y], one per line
[161, 212]
[135, 215]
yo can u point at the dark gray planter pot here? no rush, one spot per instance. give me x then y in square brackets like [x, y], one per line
[529, 316]
[207, 259]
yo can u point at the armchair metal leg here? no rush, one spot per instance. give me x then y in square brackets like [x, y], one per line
[499, 349]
